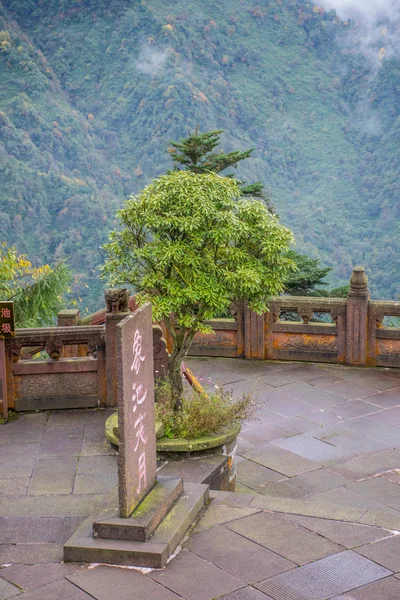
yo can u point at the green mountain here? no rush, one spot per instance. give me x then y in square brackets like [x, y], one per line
[91, 92]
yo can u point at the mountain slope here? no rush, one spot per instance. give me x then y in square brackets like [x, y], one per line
[122, 79]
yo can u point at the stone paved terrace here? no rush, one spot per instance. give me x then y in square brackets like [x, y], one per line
[317, 515]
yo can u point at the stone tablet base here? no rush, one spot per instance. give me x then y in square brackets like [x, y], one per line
[83, 547]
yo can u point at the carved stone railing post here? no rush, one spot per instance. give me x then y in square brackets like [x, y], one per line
[357, 318]
[117, 309]
[254, 334]
[68, 318]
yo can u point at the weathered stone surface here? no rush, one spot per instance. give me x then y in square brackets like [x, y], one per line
[315, 450]
[237, 555]
[379, 489]
[145, 518]
[7, 590]
[324, 578]
[384, 552]
[387, 589]
[137, 463]
[217, 514]
[349, 535]
[59, 589]
[36, 530]
[287, 539]
[280, 460]
[14, 487]
[369, 465]
[104, 583]
[205, 582]
[30, 554]
[30, 577]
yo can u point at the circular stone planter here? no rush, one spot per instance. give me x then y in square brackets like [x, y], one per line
[222, 443]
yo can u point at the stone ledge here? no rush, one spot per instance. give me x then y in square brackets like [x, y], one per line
[215, 440]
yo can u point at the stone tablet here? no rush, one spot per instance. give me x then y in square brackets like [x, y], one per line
[137, 461]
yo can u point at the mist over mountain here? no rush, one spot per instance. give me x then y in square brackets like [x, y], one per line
[91, 92]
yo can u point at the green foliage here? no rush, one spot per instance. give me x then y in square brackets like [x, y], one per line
[37, 292]
[91, 92]
[309, 277]
[191, 244]
[201, 414]
[196, 153]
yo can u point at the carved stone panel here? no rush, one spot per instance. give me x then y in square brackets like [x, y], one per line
[137, 463]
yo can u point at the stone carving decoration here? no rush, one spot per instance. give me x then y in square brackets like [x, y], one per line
[306, 312]
[54, 348]
[15, 350]
[358, 283]
[117, 300]
[337, 311]
[160, 353]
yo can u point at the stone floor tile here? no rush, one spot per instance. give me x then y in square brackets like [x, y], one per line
[236, 500]
[386, 399]
[280, 460]
[386, 589]
[254, 475]
[314, 449]
[371, 427]
[28, 427]
[237, 555]
[60, 590]
[97, 464]
[369, 465]
[247, 593]
[352, 441]
[379, 489]
[205, 582]
[217, 514]
[353, 408]
[94, 443]
[324, 578]
[388, 415]
[287, 539]
[262, 416]
[50, 506]
[30, 554]
[349, 535]
[71, 418]
[18, 460]
[104, 583]
[378, 380]
[54, 465]
[346, 497]
[287, 427]
[30, 577]
[100, 483]
[7, 590]
[291, 373]
[50, 485]
[285, 406]
[326, 378]
[321, 417]
[310, 394]
[384, 552]
[14, 530]
[309, 483]
[14, 487]
[349, 389]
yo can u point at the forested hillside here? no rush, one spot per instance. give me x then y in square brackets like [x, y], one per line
[91, 92]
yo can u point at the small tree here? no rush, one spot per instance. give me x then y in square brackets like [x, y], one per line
[191, 244]
[36, 291]
[197, 153]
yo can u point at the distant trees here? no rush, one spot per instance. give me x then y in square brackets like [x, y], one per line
[197, 153]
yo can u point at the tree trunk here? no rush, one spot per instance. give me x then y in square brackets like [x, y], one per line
[182, 342]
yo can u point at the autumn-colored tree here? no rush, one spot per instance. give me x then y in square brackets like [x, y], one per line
[37, 292]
